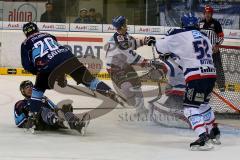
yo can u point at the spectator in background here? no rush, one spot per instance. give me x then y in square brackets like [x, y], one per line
[49, 15]
[83, 16]
[92, 15]
[99, 18]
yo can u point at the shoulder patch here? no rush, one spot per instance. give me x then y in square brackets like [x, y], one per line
[19, 103]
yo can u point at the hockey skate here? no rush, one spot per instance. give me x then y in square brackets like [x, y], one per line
[202, 144]
[215, 135]
[61, 120]
[80, 124]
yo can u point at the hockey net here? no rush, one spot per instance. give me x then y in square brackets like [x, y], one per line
[226, 100]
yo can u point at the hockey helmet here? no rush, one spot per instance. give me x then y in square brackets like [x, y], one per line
[30, 28]
[189, 20]
[208, 9]
[119, 21]
[25, 84]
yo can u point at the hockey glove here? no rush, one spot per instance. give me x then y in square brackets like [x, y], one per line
[150, 40]
[165, 57]
[156, 64]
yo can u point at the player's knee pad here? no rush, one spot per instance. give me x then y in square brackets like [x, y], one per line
[196, 119]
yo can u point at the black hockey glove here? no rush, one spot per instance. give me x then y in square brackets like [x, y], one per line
[165, 57]
[150, 40]
[156, 64]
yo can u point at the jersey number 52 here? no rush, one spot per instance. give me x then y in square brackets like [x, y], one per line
[201, 48]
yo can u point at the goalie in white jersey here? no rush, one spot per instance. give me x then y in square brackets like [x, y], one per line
[195, 53]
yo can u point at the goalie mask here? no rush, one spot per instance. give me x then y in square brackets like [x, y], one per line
[23, 88]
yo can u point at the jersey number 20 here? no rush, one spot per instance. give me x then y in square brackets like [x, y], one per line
[48, 44]
[201, 48]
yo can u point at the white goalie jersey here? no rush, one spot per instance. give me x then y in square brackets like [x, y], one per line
[194, 51]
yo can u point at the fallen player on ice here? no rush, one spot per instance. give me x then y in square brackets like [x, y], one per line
[49, 117]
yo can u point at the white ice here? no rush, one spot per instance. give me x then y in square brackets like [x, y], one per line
[108, 137]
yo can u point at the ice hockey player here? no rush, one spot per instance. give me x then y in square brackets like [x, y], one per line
[121, 56]
[213, 29]
[48, 117]
[41, 54]
[170, 104]
[195, 53]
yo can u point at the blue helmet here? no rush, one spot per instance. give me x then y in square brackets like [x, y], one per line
[189, 20]
[118, 21]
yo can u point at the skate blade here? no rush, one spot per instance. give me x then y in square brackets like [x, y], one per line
[30, 130]
[207, 147]
[216, 141]
[83, 131]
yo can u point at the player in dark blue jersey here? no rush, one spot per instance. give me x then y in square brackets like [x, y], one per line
[49, 113]
[41, 55]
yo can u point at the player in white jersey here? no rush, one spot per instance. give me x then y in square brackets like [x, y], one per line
[195, 53]
[120, 58]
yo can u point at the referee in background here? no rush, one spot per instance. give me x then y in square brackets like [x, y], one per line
[213, 29]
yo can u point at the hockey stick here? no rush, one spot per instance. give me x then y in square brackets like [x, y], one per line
[73, 87]
[159, 84]
[120, 100]
[78, 108]
[228, 103]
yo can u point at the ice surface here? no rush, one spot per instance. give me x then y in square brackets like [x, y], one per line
[109, 137]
